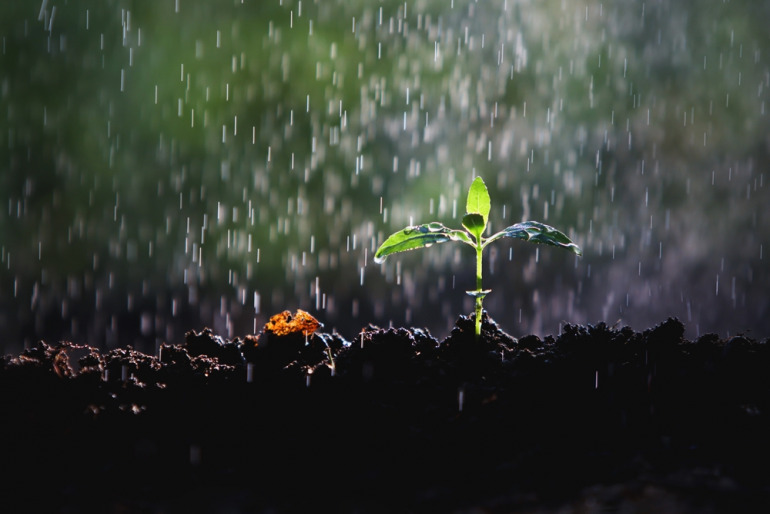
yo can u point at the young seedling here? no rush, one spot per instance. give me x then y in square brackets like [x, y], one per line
[475, 223]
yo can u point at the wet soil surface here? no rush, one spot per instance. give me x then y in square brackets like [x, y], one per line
[598, 419]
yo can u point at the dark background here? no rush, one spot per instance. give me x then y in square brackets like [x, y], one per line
[166, 166]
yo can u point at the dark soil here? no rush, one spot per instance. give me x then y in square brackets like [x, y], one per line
[597, 419]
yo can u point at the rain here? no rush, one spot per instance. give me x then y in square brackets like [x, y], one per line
[168, 166]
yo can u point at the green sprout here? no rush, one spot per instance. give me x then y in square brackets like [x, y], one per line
[475, 223]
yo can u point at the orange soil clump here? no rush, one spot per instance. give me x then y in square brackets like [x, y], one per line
[284, 323]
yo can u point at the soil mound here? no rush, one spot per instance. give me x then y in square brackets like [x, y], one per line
[295, 419]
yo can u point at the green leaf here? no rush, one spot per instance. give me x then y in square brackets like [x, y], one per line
[420, 236]
[475, 224]
[478, 200]
[537, 232]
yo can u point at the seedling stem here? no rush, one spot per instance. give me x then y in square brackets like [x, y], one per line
[479, 298]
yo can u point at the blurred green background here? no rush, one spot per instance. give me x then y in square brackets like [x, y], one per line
[170, 165]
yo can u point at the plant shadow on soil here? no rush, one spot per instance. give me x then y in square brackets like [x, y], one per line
[595, 419]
